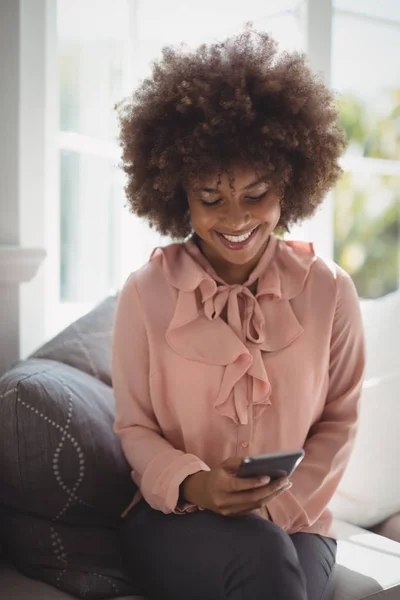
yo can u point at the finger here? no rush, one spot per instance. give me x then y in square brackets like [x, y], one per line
[249, 483]
[242, 483]
[270, 487]
[271, 490]
[282, 481]
[231, 464]
[245, 508]
[278, 491]
[255, 497]
[257, 489]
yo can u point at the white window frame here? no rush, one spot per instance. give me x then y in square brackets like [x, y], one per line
[361, 164]
[64, 313]
[315, 17]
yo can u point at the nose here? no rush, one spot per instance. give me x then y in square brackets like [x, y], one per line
[235, 218]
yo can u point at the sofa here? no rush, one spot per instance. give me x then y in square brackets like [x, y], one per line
[64, 480]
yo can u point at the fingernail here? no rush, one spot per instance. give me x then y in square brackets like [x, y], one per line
[265, 479]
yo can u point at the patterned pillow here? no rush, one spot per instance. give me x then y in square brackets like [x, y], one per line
[86, 343]
[65, 480]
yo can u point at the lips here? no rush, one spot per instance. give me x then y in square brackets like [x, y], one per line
[238, 234]
[238, 245]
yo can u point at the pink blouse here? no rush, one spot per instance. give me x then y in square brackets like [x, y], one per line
[282, 370]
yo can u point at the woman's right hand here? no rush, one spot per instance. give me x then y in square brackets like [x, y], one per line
[222, 492]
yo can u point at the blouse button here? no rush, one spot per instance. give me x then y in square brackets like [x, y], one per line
[245, 444]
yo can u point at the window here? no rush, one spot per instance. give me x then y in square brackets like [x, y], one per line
[367, 199]
[102, 57]
[92, 52]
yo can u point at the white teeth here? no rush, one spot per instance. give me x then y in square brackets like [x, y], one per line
[238, 238]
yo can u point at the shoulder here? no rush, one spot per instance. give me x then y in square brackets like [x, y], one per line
[152, 278]
[324, 274]
[328, 271]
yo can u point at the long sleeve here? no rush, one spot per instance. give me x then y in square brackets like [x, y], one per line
[158, 467]
[330, 441]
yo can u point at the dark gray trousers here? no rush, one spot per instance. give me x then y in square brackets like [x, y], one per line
[206, 556]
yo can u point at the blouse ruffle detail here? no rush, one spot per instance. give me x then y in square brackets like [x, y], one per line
[265, 322]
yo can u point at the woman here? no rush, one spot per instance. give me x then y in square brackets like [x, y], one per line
[233, 342]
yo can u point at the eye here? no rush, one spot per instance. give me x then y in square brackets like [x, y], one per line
[253, 198]
[257, 197]
[211, 203]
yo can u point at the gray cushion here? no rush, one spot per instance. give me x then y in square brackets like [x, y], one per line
[15, 586]
[86, 343]
[65, 480]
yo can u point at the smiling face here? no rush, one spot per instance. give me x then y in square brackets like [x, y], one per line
[247, 206]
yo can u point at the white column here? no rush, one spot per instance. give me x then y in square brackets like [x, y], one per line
[316, 20]
[9, 121]
[9, 184]
[39, 202]
[22, 177]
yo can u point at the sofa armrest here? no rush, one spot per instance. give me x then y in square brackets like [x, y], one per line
[389, 528]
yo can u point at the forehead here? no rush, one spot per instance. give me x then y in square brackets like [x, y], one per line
[238, 177]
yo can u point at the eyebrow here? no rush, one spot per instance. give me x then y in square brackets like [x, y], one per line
[250, 185]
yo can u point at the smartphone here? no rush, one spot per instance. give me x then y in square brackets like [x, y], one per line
[275, 465]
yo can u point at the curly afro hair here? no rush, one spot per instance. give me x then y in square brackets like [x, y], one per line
[237, 101]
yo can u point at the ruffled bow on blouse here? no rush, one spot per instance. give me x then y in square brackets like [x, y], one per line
[264, 322]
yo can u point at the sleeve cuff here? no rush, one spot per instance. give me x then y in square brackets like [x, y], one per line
[189, 469]
[160, 485]
[186, 507]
